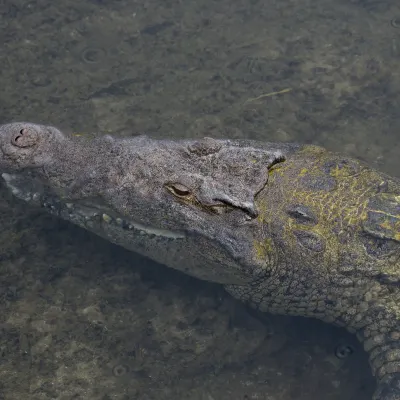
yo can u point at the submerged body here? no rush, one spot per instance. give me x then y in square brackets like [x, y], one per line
[288, 229]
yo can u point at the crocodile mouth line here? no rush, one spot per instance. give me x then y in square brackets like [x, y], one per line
[141, 228]
[84, 214]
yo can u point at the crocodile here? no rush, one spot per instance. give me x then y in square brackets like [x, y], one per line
[287, 228]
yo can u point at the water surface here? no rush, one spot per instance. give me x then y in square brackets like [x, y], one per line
[82, 319]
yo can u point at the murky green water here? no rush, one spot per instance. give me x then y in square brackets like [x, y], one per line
[77, 320]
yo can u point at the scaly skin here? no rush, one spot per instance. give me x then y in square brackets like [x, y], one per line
[288, 229]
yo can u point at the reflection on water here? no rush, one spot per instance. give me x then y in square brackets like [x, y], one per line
[79, 321]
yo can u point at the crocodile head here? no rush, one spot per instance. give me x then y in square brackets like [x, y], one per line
[188, 204]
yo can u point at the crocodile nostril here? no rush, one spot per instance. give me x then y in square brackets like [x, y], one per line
[25, 138]
[21, 133]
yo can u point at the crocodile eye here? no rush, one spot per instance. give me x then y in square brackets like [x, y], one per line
[178, 190]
